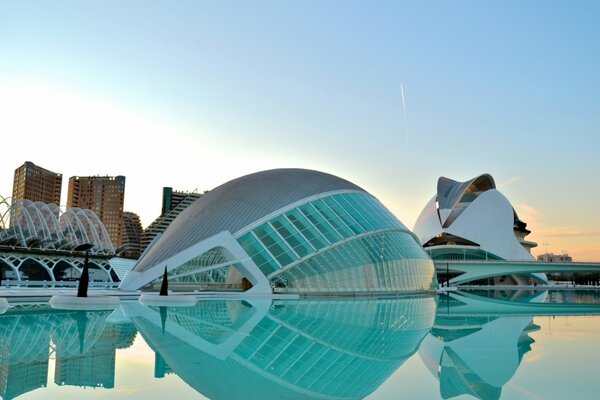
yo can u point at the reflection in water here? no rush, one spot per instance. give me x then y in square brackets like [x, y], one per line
[82, 342]
[223, 349]
[473, 343]
[479, 338]
[285, 350]
[476, 355]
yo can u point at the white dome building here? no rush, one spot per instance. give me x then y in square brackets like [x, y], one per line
[288, 231]
[472, 220]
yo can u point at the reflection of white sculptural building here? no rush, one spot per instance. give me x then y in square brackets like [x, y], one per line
[470, 221]
[476, 355]
[288, 230]
[477, 342]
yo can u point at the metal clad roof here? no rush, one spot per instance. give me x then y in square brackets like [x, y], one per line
[238, 203]
[450, 191]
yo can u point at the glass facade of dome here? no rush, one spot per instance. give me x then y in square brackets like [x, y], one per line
[362, 238]
[288, 231]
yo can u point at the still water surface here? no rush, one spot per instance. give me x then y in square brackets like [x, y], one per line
[487, 345]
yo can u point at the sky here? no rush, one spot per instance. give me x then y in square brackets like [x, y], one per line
[389, 95]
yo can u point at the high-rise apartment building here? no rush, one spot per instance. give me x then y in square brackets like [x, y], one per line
[173, 203]
[35, 183]
[172, 198]
[132, 235]
[105, 196]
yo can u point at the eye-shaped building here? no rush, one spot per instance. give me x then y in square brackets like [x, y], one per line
[288, 231]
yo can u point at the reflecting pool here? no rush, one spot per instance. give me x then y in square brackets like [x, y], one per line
[476, 344]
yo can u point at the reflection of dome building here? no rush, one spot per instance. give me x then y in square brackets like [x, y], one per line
[473, 221]
[288, 230]
[308, 349]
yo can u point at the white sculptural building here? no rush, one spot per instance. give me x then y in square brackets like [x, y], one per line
[473, 221]
[42, 242]
[288, 231]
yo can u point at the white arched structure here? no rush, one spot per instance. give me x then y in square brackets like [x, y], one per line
[40, 267]
[28, 224]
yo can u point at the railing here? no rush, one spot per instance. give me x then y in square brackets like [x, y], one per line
[200, 286]
[56, 284]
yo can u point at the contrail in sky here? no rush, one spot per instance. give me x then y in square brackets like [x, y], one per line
[404, 109]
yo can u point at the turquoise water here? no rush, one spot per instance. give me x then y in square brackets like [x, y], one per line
[487, 345]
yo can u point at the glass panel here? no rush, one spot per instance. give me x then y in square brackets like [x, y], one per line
[301, 223]
[319, 222]
[291, 235]
[344, 214]
[332, 218]
[258, 254]
[357, 213]
[359, 204]
[390, 261]
[280, 250]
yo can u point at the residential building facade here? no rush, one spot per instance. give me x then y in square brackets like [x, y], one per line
[32, 182]
[105, 196]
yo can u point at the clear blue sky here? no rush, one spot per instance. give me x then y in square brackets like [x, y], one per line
[192, 94]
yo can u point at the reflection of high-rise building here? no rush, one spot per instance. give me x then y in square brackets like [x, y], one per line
[95, 368]
[160, 367]
[95, 365]
[84, 346]
[132, 234]
[173, 203]
[105, 196]
[22, 378]
[18, 379]
[35, 183]
[24, 353]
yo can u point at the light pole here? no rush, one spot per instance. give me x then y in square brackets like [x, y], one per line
[546, 244]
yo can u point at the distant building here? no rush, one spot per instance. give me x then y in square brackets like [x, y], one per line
[172, 199]
[173, 203]
[90, 361]
[473, 221]
[132, 235]
[551, 257]
[105, 196]
[35, 183]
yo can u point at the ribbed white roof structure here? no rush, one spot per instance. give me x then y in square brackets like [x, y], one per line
[28, 224]
[238, 203]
